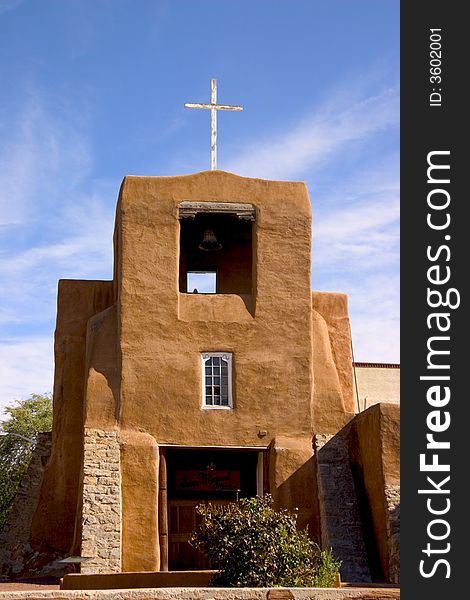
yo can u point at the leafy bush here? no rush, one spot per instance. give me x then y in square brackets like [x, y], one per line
[25, 419]
[253, 545]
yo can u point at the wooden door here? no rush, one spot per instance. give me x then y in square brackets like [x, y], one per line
[182, 521]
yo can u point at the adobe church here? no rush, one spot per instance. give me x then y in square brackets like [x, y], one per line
[207, 371]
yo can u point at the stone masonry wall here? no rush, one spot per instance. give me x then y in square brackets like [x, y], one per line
[339, 512]
[392, 499]
[101, 513]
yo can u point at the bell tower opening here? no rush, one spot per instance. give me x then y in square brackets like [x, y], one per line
[216, 250]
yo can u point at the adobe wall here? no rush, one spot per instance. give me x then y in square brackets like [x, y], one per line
[333, 392]
[294, 486]
[98, 527]
[140, 502]
[102, 371]
[163, 334]
[77, 301]
[375, 449]
[377, 383]
[138, 579]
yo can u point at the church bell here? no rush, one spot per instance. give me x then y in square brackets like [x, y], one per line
[209, 241]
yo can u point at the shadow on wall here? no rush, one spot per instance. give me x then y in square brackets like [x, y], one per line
[394, 544]
[368, 532]
[102, 389]
[300, 490]
[374, 451]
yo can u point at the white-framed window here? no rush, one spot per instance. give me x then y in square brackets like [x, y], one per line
[217, 380]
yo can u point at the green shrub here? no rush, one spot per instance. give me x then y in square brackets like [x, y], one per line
[253, 545]
[18, 433]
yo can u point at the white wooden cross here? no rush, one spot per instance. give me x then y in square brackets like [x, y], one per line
[214, 107]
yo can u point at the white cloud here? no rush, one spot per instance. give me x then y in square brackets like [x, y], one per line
[375, 319]
[41, 159]
[376, 338]
[356, 251]
[374, 310]
[85, 246]
[367, 231]
[7, 5]
[57, 223]
[355, 215]
[25, 368]
[317, 138]
[359, 219]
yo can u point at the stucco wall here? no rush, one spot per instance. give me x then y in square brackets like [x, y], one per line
[164, 332]
[140, 471]
[102, 371]
[377, 384]
[333, 400]
[54, 521]
[292, 479]
[161, 365]
[374, 444]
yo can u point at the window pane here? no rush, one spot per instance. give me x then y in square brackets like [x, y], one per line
[216, 380]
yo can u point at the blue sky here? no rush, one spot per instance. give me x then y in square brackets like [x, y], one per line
[93, 90]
